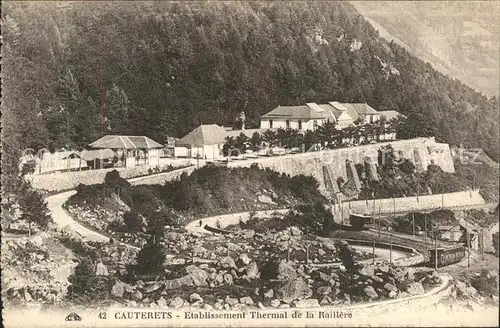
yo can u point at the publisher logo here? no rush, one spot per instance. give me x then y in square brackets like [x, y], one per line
[73, 317]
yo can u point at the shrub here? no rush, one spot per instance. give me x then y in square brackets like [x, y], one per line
[133, 220]
[85, 286]
[150, 258]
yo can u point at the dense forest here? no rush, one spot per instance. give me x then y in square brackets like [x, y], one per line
[73, 71]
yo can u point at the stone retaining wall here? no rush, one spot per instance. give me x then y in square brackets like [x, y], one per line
[59, 181]
[311, 163]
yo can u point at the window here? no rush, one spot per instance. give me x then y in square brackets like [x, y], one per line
[271, 124]
[315, 125]
[287, 122]
[300, 125]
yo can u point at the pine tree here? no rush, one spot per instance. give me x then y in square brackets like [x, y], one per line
[151, 257]
[34, 209]
[84, 285]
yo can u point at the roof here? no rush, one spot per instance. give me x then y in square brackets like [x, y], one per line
[348, 108]
[390, 114]
[90, 155]
[305, 112]
[206, 134]
[248, 132]
[65, 154]
[125, 142]
[363, 109]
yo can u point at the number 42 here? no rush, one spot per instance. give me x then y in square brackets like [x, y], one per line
[102, 315]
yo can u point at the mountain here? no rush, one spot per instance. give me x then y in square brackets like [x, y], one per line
[459, 38]
[73, 71]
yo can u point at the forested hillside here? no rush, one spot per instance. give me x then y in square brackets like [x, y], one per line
[161, 68]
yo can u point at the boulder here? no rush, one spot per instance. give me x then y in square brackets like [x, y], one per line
[247, 300]
[36, 240]
[101, 270]
[415, 288]
[118, 289]
[367, 270]
[245, 259]
[275, 303]
[198, 276]
[269, 294]
[308, 303]
[265, 199]
[252, 271]
[295, 289]
[286, 271]
[137, 295]
[227, 262]
[231, 301]
[176, 302]
[162, 303]
[370, 292]
[195, 297]
[179, 282]
[324, 290]
[295, 231]
[390, 287]
[228, 278]
[321, 252]
[153, 288]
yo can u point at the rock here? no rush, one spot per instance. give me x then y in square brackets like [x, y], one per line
[245, 259]
[137, 295]
[383, 268]
[370, 292]
[162, 303]
[198, 276]
[275, 303]
[321, 252]
[139, 283]
[153, 288]
[260, 305]
[269, 294]
[326, 301]
[252, 271]
[308, 303]
[228, 278]
[376, 279]
[179, 282]
[118, 289]
[195, 297]
[265, 199]
[36, 240]
[390, 287]
[176, 302]
[393, 294]
[295, 231]
[207, 307]
[231, 301]
[286, 271]
[295, 289]
[218, 305]
[27, 296]
[324, 290]
[247, 300]
[367, 270]
[415, 288]
[227, 262]
[153, 305]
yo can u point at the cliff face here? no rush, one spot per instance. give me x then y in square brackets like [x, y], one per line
[420, 151]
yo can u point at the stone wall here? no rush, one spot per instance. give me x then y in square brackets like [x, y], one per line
[311, 163]
[59, 181]
[414, 203]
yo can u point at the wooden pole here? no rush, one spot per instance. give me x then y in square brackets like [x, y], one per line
[468, 242]
[413, 222]
[482, 244]
[425, 229]
[373, 252]
[436, 257]
[390, 248]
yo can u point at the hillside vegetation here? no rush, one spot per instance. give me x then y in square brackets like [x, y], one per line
[74, 71]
